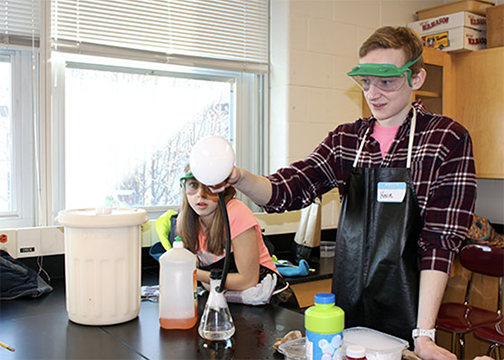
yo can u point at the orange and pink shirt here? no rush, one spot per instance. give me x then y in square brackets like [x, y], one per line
[241, 219]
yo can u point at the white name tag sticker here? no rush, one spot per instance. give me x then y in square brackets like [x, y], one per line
[391, 192]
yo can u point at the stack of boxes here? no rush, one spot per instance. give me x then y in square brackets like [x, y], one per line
[456, 26]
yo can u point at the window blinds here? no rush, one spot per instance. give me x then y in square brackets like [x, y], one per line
[175, 31]
[19, 22]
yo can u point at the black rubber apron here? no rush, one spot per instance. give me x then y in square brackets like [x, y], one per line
[376, 268]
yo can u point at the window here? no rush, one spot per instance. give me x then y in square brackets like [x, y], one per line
[6, 164]
[17, 118]
[122, 92]
[19, 95]
[139, 82]
[128, 131]
[131, 146]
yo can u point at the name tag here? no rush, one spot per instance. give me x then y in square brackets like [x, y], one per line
[391, 192]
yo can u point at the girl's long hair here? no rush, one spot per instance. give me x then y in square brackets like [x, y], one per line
[189, 226]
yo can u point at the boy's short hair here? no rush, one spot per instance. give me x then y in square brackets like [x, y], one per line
[401, 37]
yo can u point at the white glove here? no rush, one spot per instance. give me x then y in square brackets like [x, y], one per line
[261, 293]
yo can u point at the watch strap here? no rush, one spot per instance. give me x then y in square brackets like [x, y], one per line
[431, 333]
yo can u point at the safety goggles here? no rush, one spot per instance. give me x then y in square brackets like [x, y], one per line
[192, 186]
[388, 84]
[189, 175]
[386, 77]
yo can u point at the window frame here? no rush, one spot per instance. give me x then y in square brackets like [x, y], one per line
[24, 106]
[37, 144]
[247, 110]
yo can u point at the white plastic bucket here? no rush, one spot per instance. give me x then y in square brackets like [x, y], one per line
[102, 264]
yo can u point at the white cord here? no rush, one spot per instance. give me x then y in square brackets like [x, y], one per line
[40, 261]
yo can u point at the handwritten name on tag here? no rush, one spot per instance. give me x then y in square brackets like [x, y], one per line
[391, 192]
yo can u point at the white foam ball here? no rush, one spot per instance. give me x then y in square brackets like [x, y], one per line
[212, 160]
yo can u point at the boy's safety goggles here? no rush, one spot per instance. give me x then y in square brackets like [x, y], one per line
[386, 77]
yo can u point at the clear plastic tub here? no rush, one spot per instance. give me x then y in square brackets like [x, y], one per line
[327, 249]
[379, 346]
[294, 350]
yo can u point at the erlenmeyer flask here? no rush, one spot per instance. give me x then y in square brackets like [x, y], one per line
[216, 322]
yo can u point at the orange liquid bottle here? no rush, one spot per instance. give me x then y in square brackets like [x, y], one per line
[178, 323]
[178, 299]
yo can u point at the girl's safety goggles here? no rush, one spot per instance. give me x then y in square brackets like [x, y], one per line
[386, 77]
[191, 185]
[189, 175]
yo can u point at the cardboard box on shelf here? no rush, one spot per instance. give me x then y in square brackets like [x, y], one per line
[457, 39]
[460, 31]
[478, 7]
[450, 21]
[495, 27]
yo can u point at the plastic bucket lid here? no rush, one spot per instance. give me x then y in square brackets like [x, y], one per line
[102, 217]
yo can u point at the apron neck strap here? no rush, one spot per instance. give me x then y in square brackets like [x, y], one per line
[360, 148]
[411, 138]
[410, 142]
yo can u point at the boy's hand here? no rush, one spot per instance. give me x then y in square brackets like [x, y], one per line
[232, 179]
[427, 349]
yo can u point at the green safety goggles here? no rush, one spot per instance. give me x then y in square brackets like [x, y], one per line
[187, 176]
[193, 187]
[383, 70]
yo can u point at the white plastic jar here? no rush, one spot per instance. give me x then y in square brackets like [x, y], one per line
[178, 299]
[102, 264]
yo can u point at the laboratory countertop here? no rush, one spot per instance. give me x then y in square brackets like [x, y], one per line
[40, 329]
[323, 270]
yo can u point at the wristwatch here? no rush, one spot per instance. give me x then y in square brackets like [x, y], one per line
[431, 333]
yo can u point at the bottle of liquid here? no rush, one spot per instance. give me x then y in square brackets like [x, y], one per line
[324, 324]
[355, 352]
[178, 299]
[216, 322]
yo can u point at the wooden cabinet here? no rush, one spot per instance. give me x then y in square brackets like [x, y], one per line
[437, 91]
[479, 95]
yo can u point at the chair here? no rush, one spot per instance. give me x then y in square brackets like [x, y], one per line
[494, 334]
[460, 319]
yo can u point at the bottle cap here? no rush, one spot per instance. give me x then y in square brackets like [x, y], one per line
[325, 298]
[356, 351]
[178, 243]
[216, 274]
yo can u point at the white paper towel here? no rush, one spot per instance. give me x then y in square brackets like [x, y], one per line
[310, 225]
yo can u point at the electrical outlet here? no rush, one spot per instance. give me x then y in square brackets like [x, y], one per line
[8, 241]
[28, 242]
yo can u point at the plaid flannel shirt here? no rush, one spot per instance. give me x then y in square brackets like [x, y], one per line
[442, 168]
